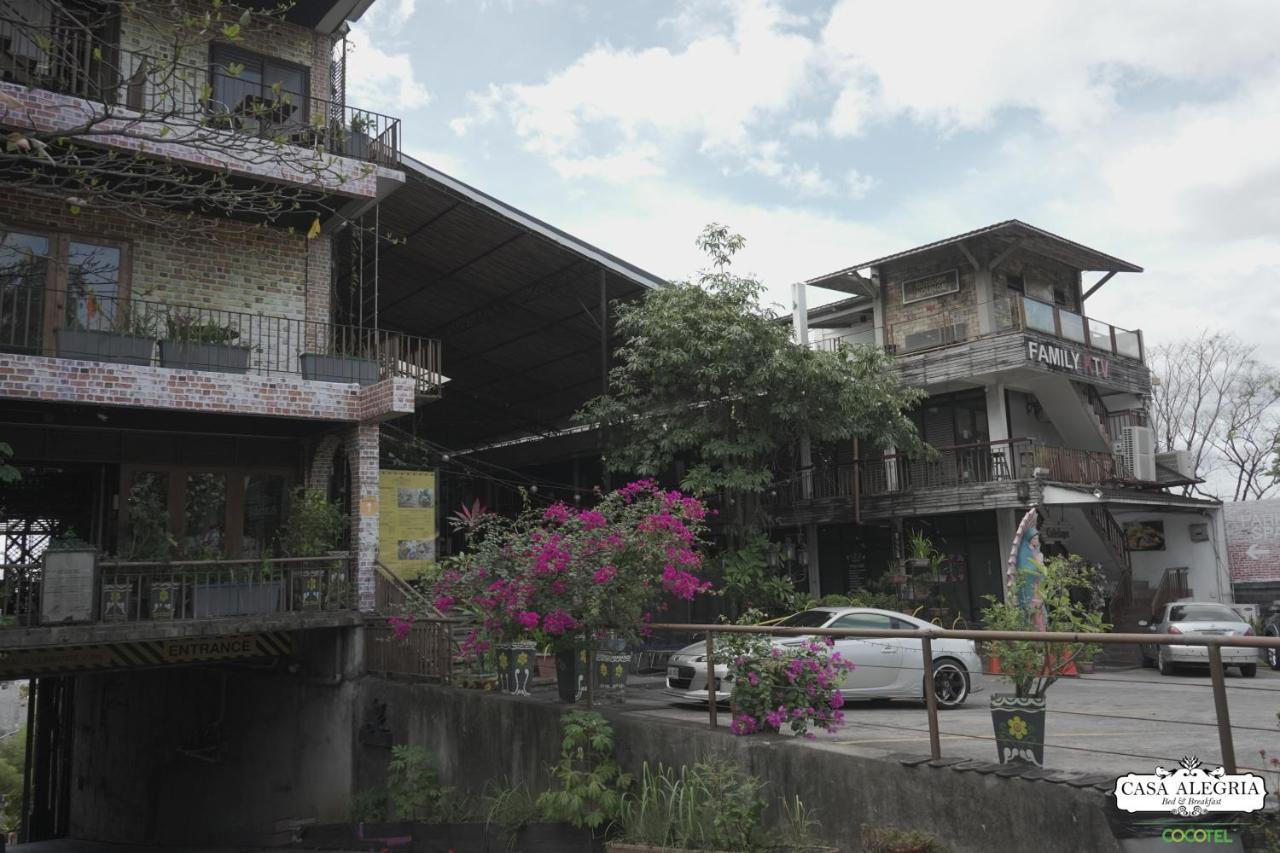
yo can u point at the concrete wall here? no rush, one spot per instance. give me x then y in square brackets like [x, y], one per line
[209, 754]
[479, 738]
[1024, 424]
[1206, 560]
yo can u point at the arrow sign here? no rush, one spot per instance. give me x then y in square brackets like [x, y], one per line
[1256, 553]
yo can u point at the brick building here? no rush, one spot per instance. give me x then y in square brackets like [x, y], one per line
[175, 361]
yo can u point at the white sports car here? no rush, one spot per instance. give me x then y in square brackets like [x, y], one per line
[883, 668]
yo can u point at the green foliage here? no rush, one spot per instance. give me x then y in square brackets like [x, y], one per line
[13, 754]
[707, 375]
[414, 790]
[511, 807]
[888, 839]
[369, 806]
[191, 328]
[711, 805]
[588, 785]
[314, 524]
[147, 513]
[878, 597]
[8, 473]
[1032, 666]
[751, 583]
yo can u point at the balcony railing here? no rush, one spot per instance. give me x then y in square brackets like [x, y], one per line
[192, 590]
[72, 62]
[971, 464]
[85, 325]
[1038, 316]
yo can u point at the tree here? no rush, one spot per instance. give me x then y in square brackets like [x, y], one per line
[707, 376]
[1216, 401]
[142, 116]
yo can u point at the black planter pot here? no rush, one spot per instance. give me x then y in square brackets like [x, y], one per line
[1019, 728]
[219, 358]
[570, 665]
[515, 666]
[919, 564]
[103, 346]
[338, 368]
[555, 838]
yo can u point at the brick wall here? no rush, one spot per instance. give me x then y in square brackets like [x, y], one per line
[61, 380]
[361, 443]
[255, 270]
[960, 307]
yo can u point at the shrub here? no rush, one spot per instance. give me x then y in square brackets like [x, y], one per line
[796, 685]
[587, 783]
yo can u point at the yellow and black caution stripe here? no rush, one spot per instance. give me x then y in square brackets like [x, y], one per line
[145, 653]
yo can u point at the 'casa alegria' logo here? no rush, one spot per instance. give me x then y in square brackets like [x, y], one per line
[1190, 790]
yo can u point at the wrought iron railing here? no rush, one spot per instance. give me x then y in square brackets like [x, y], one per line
[20, 586]
[422, 648]
[72, 62]
[87, 326]
[996, 461]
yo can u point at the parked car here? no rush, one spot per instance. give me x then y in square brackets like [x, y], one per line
[886, 668]
[1198, 618]
[1271, 628]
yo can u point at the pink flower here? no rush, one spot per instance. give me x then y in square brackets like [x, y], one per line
[604, 574]
[557, 622]
[591, 519]
[528, 619]
[444, 602]
[557, 512]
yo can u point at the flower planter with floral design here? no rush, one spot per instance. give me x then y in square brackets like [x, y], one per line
[1019, 728]
[515, 666]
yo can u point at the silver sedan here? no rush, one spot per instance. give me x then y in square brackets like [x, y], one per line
[883, 668]
[1203, 619]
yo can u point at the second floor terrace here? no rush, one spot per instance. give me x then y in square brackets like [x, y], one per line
[271, 107]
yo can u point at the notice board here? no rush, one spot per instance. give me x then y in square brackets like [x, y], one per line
[407, 515]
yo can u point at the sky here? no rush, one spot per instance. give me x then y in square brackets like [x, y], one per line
[830, 133]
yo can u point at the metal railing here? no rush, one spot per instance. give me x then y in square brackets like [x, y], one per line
[988, 462]
[84, 325]
[1213, 644]
[207, 589]
[20, 586]
[72, 62]
[423, 650]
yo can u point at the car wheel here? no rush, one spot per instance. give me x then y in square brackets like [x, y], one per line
[1166, 666]
[950, 683]
[1249, 670]
[1273, 655]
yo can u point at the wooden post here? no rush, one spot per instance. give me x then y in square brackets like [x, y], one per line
[711, 680]
[1220, 706]
[931, 698]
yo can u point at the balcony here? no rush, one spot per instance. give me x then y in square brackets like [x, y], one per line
[187, 104]
[1034, 315]
[951, 468]
[84, 325]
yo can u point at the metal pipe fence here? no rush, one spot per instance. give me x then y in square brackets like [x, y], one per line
[1213, 644]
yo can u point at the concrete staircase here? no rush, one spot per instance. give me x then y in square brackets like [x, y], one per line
[1126, 622]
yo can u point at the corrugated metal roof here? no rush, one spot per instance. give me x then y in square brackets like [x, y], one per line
[1034, 239]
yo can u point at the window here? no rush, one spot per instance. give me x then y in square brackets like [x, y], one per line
[56, 281]
[258, 93]
[875, 621]
[1202, 613]
[806, 619]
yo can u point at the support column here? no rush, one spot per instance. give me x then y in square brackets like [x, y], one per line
[986, 300]
[362, 458]
[815, 565]
[800, 328]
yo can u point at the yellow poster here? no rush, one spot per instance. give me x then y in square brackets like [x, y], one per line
[407, 521]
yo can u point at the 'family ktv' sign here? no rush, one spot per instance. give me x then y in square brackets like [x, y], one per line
[1064, 358]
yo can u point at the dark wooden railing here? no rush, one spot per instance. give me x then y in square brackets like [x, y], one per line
[76, 63]
[1172, 587]
[989, 462]
[422, 648]
[90, 326]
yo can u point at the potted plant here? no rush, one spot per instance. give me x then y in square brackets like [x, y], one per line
[782, 689]
[1039, 600]
[566, 577]
[129, 338]
[358, 142]
[194, 343]
[923, 556]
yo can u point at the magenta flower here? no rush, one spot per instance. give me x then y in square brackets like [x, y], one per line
[528, 619]
[604, 574]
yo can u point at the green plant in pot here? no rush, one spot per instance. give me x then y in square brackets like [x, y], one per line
[196, 342]
[1038, 601]
[922, 555]
[314, 527]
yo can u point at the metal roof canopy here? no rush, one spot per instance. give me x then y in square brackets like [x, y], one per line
[1003, 235]
[515, 302]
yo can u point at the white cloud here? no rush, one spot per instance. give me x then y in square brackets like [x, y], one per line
[713, 92]
[857, 184]
[380, 77]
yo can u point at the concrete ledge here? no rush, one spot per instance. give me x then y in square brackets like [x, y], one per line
[128, 632]
[482, 737]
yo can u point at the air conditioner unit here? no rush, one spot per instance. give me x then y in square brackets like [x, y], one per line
[1137, 454]
[1177, 460]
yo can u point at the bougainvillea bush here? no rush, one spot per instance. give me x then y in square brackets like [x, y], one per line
[553, 573]
[795, 686]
